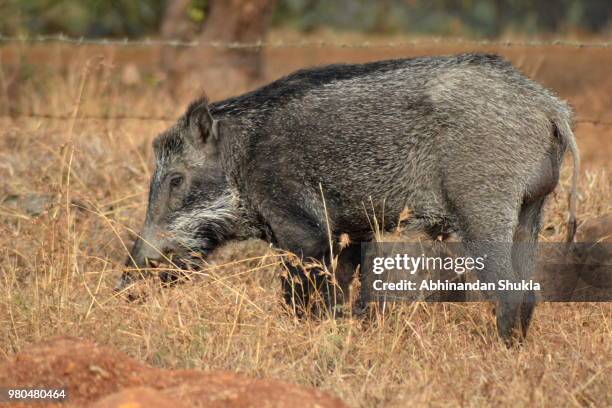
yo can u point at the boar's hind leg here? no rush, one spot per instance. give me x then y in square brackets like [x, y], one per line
[525, 254]
[487, 230]
[498, 268]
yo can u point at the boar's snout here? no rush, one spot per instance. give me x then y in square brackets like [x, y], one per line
[143, 255]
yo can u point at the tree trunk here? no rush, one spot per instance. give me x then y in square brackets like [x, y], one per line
[238, 21]
[383, 15]
[550, 15]
[175, 26]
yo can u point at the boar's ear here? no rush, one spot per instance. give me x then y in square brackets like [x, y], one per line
[202, 126]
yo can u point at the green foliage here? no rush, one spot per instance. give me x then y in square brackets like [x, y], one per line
[466, 17]
[197, 11]
[82, 18]
[134, 18]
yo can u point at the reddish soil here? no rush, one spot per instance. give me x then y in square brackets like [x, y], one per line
[101, 377]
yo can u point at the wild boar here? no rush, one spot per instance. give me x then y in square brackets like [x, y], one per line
[466, 142]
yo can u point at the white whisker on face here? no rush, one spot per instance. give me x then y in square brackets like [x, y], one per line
[205, 224]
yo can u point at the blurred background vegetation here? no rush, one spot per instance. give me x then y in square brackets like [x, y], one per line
[471, 18]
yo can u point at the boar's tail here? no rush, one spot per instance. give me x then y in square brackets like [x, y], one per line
[564, 132]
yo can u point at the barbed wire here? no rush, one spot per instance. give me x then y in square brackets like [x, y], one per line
[595, 122]
[53, 116]
[63, 39]
[162, 118]
[177, 43]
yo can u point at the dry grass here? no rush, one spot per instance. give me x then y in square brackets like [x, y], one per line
[89, 179]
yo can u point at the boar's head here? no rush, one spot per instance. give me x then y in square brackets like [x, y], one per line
[190, 209]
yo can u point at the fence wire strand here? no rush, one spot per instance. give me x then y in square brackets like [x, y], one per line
[178, 43]
[119, 117]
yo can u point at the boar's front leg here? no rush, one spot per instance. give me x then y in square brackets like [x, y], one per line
[349, 259]
[303, 290]
[300, 289]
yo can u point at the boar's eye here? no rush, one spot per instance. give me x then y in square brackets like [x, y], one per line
[176, 180]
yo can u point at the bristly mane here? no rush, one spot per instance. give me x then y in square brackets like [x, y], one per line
[298, 83]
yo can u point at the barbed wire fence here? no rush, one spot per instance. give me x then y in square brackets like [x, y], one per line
[120, 117]
[125, 42]
[176, 43]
